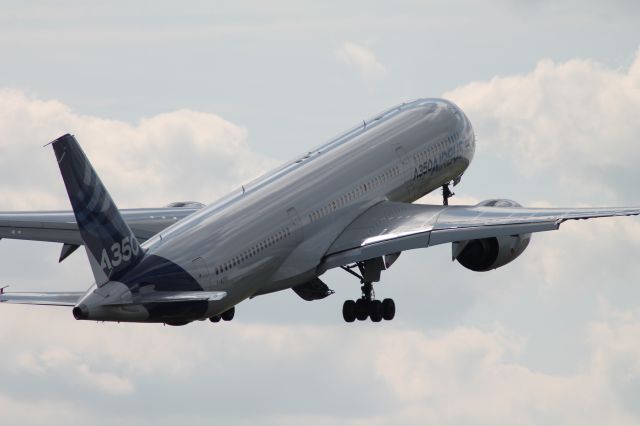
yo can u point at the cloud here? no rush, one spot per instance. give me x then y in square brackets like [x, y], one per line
[174, 156]
[361, 58]
[575, 120]
[43, 411]
[459, 371]
[368, 374]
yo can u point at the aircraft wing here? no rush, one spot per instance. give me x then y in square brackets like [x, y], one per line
[391, 227]
[51, 299]
[61, 227]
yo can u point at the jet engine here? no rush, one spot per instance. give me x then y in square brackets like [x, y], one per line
[490, 253]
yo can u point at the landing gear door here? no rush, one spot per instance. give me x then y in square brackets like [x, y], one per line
[406, 170]
[295, 225]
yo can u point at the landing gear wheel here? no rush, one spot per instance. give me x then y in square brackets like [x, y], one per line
[229, 314]
[388, 309]
[215, 318]
[375, 310]
[349, 311]
[362, 309]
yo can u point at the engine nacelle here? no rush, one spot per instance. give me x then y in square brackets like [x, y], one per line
[490, 253]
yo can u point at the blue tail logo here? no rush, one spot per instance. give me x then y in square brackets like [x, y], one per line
[111, 246]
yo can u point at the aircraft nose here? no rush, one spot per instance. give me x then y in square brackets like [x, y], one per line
[80, 312]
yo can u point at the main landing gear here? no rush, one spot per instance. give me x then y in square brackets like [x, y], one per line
[367, 306]
[225, 316]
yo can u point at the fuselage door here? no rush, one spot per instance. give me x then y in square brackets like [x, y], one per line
[295, 225]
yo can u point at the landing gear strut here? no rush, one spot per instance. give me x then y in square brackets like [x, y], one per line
[446, 194]
[367, 306]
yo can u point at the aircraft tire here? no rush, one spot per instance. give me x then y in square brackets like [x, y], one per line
[215, 318]
[229, 314]
[349, 311]
[362, 309]
[375, 310]
[388, 309]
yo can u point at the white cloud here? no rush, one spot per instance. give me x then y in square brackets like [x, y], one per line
[320, 374]
[363, 59]
[174, 156]
[460, 376]
[577, 120]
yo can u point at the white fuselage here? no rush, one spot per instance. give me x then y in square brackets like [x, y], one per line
[273, 234]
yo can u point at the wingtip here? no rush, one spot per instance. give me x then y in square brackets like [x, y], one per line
[3, 288]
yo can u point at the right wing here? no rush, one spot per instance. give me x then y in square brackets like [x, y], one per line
[390, 227]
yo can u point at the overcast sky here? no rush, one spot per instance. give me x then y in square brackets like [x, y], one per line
[188, 101]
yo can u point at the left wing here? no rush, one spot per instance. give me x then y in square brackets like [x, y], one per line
[391, 227]
[61, 227]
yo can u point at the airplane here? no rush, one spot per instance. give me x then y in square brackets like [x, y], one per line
[345, 204]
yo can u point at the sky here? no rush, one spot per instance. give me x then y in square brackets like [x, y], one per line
[188, 101]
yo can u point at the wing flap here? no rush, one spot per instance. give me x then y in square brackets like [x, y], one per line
[391, 227]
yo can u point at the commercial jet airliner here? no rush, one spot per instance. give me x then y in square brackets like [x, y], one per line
[345, 204]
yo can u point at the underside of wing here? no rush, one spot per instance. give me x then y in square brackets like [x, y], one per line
[51, 299]
[391, 227]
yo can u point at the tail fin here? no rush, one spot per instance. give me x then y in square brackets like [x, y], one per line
[111, 246]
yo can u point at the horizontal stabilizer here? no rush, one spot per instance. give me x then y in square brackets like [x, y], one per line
[69, 298]
[174, 297]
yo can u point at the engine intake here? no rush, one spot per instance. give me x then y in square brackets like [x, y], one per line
[490, 253]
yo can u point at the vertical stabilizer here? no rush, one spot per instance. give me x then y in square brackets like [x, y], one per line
[111, 246]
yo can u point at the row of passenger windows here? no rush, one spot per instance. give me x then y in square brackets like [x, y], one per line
[249, 253]
[345, 199]
[354, 194]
